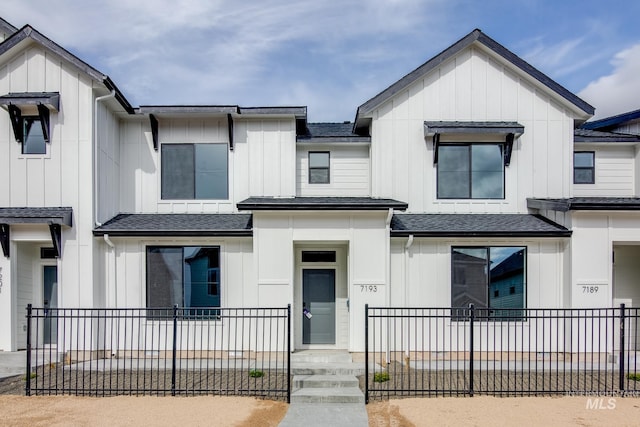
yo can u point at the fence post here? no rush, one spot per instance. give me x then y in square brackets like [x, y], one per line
[622, 356]
[471, 319]
[366, 353]
[173, 357]
[288, 353]
[27, 387]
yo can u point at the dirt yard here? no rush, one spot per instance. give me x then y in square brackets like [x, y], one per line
[249, 412]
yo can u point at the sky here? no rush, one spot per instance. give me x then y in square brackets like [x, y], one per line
[331, 55]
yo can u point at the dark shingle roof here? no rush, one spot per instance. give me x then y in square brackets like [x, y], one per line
[27, 215]
[331, 132]
[613, 121]
[475, 225]
[320, 203]
[588, 135]
[586, 204]
[177, 225]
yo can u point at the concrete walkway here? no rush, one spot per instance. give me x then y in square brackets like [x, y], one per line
[12, 363]
[326, 414]
[325, 391]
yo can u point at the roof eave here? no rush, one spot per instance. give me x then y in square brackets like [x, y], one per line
[173, 233]
[483, 234]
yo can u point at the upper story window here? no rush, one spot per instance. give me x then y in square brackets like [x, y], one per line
[471, 171]
[194, 171]
[584, 170]
[29, 113]
[319, 167]
[34, 141]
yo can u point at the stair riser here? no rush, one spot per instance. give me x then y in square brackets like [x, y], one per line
[327, 399]
[327, 371]
[325, 384]
[338, 358]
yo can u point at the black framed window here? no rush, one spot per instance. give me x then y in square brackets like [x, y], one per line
[187, 276]
[194, 171]
[34, 140]
[490, 277]
[584, 167]
[471, 171]
[319, 167]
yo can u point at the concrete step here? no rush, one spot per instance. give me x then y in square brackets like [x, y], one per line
[308, 368]
[321, 356]
[328, 395]
[324, 381]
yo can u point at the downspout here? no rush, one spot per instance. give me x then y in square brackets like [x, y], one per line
[388, 278]
[95, 155]
[407, 247]
[108, 241]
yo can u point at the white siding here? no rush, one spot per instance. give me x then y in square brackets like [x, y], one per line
[629, 127]
[24, 290]
[349, 171]
[64, 175]
[421, 275]
[614, 169]
[262, 162]
[108, 172]
[472, 86]
[127, 278]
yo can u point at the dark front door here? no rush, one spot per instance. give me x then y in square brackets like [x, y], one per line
[319, 306]
[50, 293]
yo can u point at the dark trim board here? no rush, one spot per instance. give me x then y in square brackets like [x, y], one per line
[586, 204]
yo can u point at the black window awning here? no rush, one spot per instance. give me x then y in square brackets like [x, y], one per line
[41, 104]
[55, 218]
[508, 130]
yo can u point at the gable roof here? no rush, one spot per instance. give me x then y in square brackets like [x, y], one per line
[476, 36]
[613, 121]
[28, 32]
[6, 27]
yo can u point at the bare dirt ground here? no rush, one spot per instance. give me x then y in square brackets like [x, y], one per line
[19, 410]
[249, 412]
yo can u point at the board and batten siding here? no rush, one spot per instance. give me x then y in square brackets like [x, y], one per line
[64, 175]
[421, 275]
[348, 167]
[124, 277]
[262, 162]
[614, 172]
[472, 86]
[108, 173]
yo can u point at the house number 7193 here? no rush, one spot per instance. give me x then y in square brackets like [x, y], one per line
[368, 288]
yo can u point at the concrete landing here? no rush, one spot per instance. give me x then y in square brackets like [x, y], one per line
[326, 414]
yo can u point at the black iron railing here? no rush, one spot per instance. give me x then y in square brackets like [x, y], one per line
[505, 352]
[159, 351]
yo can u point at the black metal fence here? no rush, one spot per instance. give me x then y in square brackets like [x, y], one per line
[505, 352]
[159, 351]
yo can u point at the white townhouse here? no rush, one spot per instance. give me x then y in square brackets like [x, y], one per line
[468, 180]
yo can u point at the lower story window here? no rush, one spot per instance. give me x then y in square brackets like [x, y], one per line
[491, 277]
[187, 276]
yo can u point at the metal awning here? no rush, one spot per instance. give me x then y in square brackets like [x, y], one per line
[55, 218]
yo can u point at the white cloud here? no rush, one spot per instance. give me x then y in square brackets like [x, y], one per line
[619, 91]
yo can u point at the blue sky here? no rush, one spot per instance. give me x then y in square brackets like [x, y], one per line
[331, 55]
